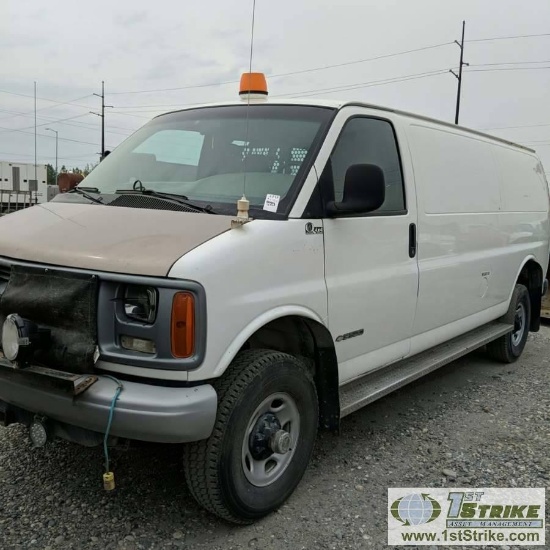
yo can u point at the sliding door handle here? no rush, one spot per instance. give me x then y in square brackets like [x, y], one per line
[412, 240]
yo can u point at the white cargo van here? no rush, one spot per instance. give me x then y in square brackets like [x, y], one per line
[373, 246]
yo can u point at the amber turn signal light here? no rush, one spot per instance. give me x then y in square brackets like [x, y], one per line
[183, 325]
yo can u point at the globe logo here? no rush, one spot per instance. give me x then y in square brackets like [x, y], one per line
[415, 509]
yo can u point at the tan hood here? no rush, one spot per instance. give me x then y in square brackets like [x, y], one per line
[106, 238]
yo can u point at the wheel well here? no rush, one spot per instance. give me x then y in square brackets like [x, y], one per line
[531, 277]
[311, 342]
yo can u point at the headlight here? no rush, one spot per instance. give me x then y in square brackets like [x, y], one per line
[11, 333]
[20, 338]
[140, 303]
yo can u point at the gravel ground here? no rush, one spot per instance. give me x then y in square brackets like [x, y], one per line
[487, 423]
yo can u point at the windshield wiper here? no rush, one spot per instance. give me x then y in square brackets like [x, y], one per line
[138, 189]
[81, 191]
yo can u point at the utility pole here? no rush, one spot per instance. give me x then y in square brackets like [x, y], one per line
[35, 150]
[102, 115]
[459, 75]
[56, 139]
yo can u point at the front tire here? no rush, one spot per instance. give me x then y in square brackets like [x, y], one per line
[508, 348]
[262, 440]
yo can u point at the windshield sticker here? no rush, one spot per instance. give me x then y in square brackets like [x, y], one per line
[271, 202]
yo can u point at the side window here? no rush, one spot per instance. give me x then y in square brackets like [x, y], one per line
[369, 141]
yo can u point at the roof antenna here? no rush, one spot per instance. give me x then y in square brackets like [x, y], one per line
[243, 204]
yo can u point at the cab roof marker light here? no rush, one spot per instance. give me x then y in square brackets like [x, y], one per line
[253, 86]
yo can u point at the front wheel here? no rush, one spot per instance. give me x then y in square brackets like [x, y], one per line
[262, 440]
[509, 347]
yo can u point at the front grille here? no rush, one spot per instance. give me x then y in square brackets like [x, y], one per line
[64, 303]
[5, 271]
[154, 203]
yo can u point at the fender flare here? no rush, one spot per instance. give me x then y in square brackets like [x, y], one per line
[536, 297]
[256, 324]
[326, 362]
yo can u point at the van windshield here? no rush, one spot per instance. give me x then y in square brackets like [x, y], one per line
[210, 156]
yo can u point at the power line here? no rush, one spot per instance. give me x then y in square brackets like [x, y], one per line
[280, 75]
[326, 67]
[194, 86]
[50, 100]
[506, 69]
[276, 75]
[365, 84]
[290, 94]
[43, 124]
[94, 128]
[80, 125]
[508, 37]
[50, 137]
[21, 155]
[318, 91]
[132, 115]
[57, 104]
[385, 56]
[342, 88]
[159, 105]
[84, 125]
[507, 63]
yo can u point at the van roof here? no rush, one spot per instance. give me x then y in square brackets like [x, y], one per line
[339, 104]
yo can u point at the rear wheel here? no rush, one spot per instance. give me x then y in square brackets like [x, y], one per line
[262, 439]
[509, 347]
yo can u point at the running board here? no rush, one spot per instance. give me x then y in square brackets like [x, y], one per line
[358, 393]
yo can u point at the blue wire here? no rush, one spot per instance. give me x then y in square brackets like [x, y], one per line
[110, 421]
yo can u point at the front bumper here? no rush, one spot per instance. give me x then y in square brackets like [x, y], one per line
[143, 411]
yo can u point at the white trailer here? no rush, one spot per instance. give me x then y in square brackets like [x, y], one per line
[21, 186]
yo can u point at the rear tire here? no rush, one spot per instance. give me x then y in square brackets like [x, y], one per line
[262, 392]
[508, 348]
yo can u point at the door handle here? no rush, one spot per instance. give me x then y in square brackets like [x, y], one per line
[412, 240]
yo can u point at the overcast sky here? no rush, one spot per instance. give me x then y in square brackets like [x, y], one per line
[69, 47]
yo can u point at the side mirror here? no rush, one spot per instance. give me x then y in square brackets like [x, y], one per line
[364, 191]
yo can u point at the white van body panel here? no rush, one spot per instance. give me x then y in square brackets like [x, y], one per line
[472, 238]
[371, 281]
[458, 236]
[271, 269]
[461, 188]
[481, 210]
